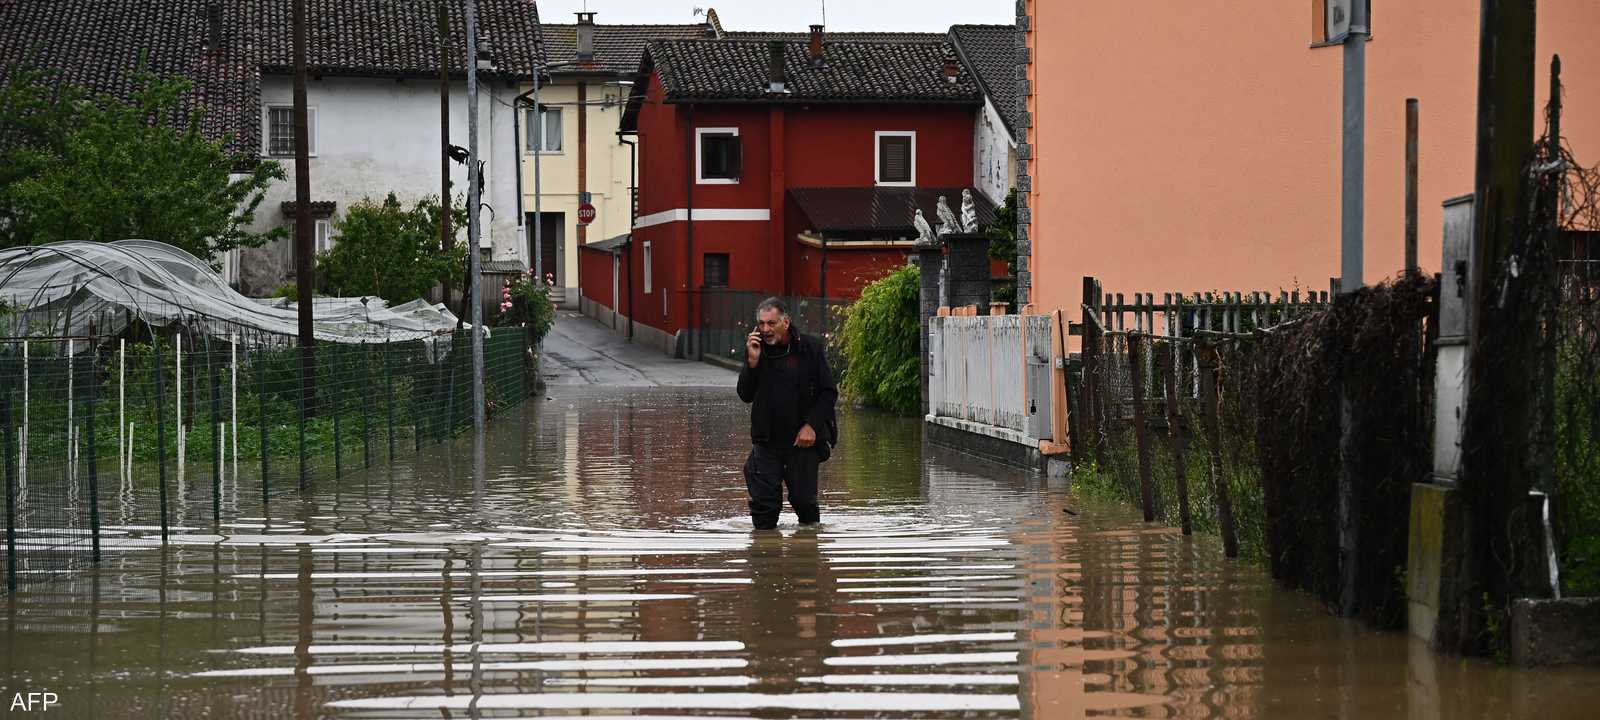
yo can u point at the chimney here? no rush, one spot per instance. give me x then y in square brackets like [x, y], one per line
[952, 69]
[214, 25]
[777, 74]
[586, 37]
[814, 51]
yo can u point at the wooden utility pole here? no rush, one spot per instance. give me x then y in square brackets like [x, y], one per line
[445, 244]
[1499, 460]
[303, 267]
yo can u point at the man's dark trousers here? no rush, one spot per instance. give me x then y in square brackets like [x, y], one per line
[768, 470]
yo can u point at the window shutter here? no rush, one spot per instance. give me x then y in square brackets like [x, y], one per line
[735, 157]
[894, 159]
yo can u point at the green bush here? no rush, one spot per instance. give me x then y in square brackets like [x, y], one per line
[527, 303]
[881, 344]
[390, 251]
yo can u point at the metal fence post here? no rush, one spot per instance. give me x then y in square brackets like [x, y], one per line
[336, 397]
[388, 391]
[156, 360]
[6, 452]
[94, 474]
[261, 423]
[216, 436]
[366, 406]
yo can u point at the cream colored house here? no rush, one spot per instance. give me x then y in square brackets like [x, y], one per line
[570, 143]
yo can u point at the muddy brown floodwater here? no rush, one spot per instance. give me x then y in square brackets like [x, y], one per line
[605, 568]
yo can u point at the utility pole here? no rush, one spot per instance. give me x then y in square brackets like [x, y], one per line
[1352, 215]
[1411, 185]
[303, 268]
[1352, 212]
[474, 191]
[445, 243]
[1499, 454]
[538, 215]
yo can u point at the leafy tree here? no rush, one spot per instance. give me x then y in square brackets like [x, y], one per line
[881, 343]
[76, 167]
[390, 251]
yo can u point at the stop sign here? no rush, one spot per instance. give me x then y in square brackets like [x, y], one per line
[585, 214]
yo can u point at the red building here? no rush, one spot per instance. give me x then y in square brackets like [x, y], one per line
[787, 165]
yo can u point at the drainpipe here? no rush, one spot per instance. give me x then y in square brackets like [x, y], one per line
[633, 169]
[517, 145]
[688, 260]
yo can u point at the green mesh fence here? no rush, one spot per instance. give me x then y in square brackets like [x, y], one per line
[167, 420]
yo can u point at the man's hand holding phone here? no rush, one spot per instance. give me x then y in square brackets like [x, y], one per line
[752, 349]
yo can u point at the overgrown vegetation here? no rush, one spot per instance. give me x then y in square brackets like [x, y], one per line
[881, 344]
[79, 166]
[390, 251]
[1003, 246]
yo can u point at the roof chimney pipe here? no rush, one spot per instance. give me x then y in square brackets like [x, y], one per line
[952, 69]
[214, 25]
[585, 37]
[815, 50]
[777, 73]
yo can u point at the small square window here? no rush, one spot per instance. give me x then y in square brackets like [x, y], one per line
[649, 274]
[721, 156]
[716, 270]
[323, 235]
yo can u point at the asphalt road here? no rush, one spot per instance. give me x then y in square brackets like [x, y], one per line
[580, 351]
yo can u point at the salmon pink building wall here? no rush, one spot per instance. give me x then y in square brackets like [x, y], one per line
[1196, 146]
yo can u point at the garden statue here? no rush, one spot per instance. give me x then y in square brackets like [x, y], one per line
[947, 219]
[969, 212]
[924, 231]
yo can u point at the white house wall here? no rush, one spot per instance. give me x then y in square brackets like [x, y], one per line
[992, 154]
[376, 136]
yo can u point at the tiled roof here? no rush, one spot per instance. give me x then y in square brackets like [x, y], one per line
[992, 51]
[99, 43]
[886, 211]
[617, 48]
[737, 70]
[874, 37]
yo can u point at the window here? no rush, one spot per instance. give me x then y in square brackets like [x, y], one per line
[544, 129]
[720, 157]
[322, 235]
[647, 273]
[895, 161]
[716, 270]
[280, 130]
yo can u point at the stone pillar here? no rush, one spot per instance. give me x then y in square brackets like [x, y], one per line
[928, 258]
[969, 270]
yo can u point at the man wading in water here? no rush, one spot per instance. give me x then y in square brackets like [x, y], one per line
[790, 387]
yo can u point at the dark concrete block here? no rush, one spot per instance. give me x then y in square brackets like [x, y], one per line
[1555, 632]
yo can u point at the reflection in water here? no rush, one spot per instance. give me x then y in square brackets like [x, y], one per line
[601, 565]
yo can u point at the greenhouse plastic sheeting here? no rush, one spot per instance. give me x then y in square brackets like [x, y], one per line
[58, 289]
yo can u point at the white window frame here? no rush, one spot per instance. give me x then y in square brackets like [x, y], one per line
[266, 130]
[322, 235]
[648, 275]
[877, 157]
[562, 138]
[699, 156]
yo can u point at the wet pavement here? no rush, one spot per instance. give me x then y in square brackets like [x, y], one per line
[604, 568]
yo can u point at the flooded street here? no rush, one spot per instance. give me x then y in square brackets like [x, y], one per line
[605, 568]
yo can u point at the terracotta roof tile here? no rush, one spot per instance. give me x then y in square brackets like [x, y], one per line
[737, 70]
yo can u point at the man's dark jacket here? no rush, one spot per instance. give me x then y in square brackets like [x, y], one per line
[817, 392]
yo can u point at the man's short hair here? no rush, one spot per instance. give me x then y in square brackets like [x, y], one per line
[773, 303]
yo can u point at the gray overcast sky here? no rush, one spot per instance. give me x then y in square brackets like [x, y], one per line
[795, 15]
